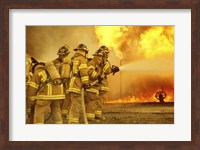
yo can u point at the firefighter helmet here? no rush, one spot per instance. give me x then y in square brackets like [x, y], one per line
[63, 50]
[82, 47]
[99, 52]
[104, 48]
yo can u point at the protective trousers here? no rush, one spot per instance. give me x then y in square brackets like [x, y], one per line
[65, 105]
[75, 108]
[99, 108]
[41, 107]
[66, 102]
[91, 100]
[28, 108]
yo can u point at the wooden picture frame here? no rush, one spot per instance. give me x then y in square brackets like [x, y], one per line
[6, 5]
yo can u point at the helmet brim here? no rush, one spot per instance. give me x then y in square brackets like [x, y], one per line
[63, 53]
[81, 49]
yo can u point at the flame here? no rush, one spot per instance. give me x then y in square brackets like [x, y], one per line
[137, 40]
[157, 41]
[109, 35]
[143, 98]
[149, 47]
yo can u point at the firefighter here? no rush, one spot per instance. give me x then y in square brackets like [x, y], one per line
[104, 89]
[95, 67]
[28, 77]
[44, 90]
[30, 61]
[63, 63]
[78, 80]
[28, 66]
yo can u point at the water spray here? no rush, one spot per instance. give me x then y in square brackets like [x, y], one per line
[149, 65]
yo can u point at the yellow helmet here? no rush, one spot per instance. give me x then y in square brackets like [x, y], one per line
[99, 52]
[63, 50]
[82, 47]
[105, 49]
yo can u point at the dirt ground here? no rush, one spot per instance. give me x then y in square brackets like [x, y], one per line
[139, 113]
[135, 113]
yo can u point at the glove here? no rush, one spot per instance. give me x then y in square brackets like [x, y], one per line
[99, 78]
[57, 81]
[86, 85]
[114, 69]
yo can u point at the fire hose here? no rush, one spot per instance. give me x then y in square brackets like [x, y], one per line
[83, 106]
[83, 101]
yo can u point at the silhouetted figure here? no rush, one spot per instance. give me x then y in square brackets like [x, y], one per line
[160, 96]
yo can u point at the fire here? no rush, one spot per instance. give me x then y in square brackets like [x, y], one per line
[157, 41]
[109, 36]
[137, 41]
[147, 53]
[143, 98]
